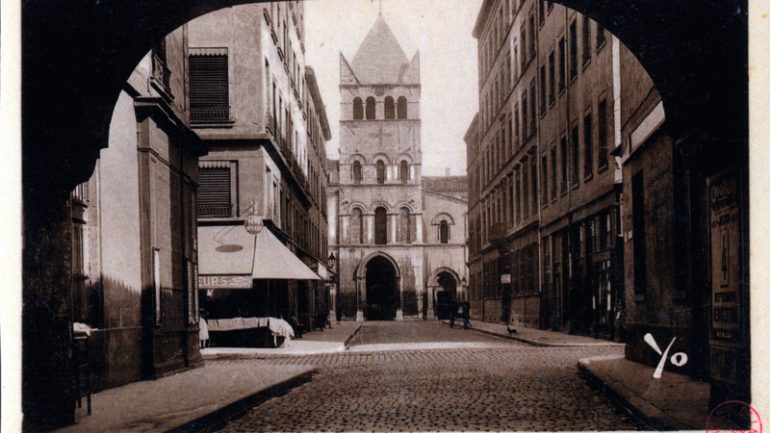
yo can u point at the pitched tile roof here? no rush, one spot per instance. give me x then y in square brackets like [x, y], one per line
[445, 184]
[380, 59]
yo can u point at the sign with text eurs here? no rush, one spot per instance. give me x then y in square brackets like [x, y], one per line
[728, 303]
[224, 281]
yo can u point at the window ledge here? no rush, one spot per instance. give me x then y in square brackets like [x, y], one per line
[586, 63]
[588, 177]
[602, 168]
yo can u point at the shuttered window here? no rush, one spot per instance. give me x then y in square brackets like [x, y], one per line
[214, 193]
[209, 93]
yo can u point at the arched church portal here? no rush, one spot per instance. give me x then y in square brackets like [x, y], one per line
[382, 292]
[446, 293]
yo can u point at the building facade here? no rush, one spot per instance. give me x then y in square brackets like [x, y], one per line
[398, 236]
[586, 216]
[257, 107]
[134, 249]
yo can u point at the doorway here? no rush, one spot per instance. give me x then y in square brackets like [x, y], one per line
[446, 294]
[382, 294]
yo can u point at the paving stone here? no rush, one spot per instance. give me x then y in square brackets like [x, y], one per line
[498, 385]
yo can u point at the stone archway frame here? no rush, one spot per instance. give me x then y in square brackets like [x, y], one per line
[359, 276]
[436, 222]
[432, 287]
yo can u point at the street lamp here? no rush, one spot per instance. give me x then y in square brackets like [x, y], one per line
[331, 261]
[253, 222]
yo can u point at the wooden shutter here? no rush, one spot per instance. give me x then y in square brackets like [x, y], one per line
[209, 92]
[214, 193]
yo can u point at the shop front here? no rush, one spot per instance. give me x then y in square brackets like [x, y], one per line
[250, 286]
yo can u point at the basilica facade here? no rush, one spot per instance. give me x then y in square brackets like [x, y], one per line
[399, 237]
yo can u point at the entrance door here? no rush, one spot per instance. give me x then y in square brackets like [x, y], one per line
[446, 295]
[382, 296]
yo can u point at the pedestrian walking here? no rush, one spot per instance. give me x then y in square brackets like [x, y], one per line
[466, 314]
[203, 333]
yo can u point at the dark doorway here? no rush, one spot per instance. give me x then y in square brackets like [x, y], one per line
[382, 297]
[447, 292]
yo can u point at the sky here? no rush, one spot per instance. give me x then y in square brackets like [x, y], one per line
[440, 30]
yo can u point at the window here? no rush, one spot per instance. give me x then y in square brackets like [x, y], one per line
[401, 107]
[533, 113]
[525, 190]
[564, 163]
[575, 154]
[443, 232]
[370, 107]
[214, 190]
[519, 141]
[603, 148]
[586, 40]
[403, 172]
[380, 172]
[562, 65]
[524, 114]
[357, 226]
[209, 90]
[600, 37]
[553, 172]
[357, 172]
[551, 78]
[573, 69]
[380, 226]
[358, 108]
[541, 11]
[532, 36]
[604, 230]
[588, 149]
[524, 55]
[533, 185]
[542, 90]
[390, 108]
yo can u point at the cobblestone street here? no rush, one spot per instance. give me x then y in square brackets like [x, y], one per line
[468, 382]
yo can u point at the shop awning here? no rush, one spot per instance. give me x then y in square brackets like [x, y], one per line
[229, 257]
[273, 261]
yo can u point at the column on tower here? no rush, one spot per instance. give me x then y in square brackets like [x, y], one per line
[393, 224]
[418, 224]
[370, 228]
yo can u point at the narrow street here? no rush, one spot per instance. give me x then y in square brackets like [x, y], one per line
[418, 376]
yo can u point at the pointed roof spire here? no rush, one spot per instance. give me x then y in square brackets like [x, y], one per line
[379, 59]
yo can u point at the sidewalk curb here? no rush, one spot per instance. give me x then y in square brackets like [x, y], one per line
[543, 344]
[221, 416]
[352, 335]
[511, 337]
[652, 417]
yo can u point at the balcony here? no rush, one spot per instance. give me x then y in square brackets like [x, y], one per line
[210, 114]
[215, 210]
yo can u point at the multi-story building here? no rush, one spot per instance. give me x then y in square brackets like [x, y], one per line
[548, 204]
[398, 236]
[582, 264]
[507, 288]
[257, 107]
[590, 218]
[133, 234]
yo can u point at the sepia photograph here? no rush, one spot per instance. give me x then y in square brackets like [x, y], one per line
[385, 215]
